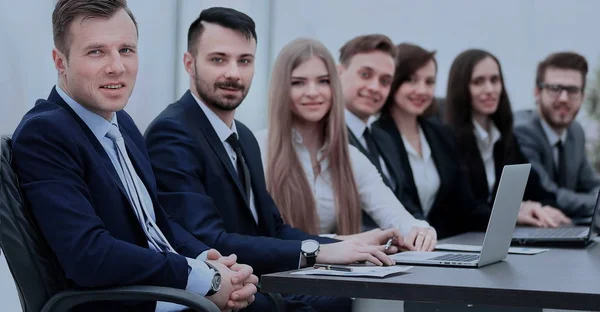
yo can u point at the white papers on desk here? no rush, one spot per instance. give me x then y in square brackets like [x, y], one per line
[358, 271]
[475, 248]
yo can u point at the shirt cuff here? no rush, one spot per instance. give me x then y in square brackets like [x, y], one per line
[200, 276]
[203, 255]
[327, 235]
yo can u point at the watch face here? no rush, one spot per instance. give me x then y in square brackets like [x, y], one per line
[310, 246]
[216, 283]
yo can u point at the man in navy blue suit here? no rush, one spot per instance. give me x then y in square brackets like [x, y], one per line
[209, 171]
[85, 173]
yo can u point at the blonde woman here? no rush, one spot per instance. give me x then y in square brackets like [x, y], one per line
[319, 182]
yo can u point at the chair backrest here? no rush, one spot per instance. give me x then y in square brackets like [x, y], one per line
[33, 265]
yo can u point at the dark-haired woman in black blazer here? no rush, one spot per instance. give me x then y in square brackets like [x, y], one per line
[428, 151]
[479, 112]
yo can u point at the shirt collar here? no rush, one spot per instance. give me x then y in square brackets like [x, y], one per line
[553, 138]
[425, 149]
[95, 122]
[483, 136]
[354, 123]
[223, 132]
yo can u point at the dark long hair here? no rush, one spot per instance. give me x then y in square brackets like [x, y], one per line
[458, 108]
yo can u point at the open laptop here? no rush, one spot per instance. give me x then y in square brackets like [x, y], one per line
[499, 231]
[571, 235]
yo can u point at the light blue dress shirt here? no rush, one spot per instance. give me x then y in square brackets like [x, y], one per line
[200, 276]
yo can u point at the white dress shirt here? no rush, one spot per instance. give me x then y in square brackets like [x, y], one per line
[425, 174]
[376, 198]
[553, 138]
[358, 127]
[485, 143]
[223, 132]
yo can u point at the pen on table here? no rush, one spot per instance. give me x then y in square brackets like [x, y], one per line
[388, 244]
[332, 267]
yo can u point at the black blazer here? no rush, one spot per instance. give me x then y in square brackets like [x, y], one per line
[391, 157]
[454, 210]
[502, 156]
[198, 182]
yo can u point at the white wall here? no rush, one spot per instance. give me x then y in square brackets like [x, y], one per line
[519, 32]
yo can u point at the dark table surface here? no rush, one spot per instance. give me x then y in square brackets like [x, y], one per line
[561, 278]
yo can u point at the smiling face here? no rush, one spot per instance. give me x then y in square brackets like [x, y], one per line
[102, 66]
[310, 91]
[366, 82]
[561, 98]
[223, 67]
[416, 95]
[485, 87]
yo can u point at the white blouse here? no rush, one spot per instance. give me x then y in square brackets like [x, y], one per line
[485, 143]
[376, 198]
[425, 174]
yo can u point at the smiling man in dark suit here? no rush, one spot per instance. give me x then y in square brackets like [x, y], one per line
[366, 72]
[554, 141]
[209, 169]
[85, 173]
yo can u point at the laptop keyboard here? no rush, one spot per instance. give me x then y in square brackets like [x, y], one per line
[456, 257]
[558, 232]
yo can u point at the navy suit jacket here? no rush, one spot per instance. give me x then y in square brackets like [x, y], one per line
[81, 207]
[201, 188]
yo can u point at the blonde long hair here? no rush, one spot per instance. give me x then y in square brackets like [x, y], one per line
[286, 180]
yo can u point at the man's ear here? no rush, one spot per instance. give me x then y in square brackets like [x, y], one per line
[188, 63]
[537, 93]
[60, 61]
[341, 69]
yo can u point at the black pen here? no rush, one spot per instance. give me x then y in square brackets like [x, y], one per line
[332, 267]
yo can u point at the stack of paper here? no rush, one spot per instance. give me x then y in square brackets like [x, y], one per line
[358, 271]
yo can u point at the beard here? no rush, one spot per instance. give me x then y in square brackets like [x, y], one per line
[208, 93]
[559, 122]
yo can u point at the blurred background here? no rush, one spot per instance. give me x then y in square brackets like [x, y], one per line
[519, 32]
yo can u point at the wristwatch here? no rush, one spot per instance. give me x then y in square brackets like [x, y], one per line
[310, 249]
[215, 285]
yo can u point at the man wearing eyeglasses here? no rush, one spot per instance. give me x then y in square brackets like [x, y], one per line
[553, 141]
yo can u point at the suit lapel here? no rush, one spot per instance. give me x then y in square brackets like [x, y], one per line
[387, 124]
[106, 162]
[388, 158]
[548, 150]
[197, 117]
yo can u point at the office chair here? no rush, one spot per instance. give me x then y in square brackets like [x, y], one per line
[40, 280]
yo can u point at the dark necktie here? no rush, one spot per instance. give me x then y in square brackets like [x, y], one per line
[372, 149]
[561, 170]
[242, 169]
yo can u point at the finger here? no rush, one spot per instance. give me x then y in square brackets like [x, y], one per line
[419, 241]
[371, 258]
[409, 240]
[392, 250]
[378, 253]
[228, 261]
[529, 220]
[213, 254]
[427, 243]
[433, 244]
[244, 293]
[243, 273]
[253, 279]
[237, 305]
[544, 217]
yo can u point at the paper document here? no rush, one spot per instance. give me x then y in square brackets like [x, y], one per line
[358, 271]
[475, 248]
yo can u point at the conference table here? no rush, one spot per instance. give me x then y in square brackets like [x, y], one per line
[561, 278]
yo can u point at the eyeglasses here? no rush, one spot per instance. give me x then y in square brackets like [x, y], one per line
[554, 90]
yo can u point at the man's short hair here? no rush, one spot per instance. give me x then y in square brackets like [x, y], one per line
[366, 44]
[562, 60]
[66, 11]
[224, 17]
